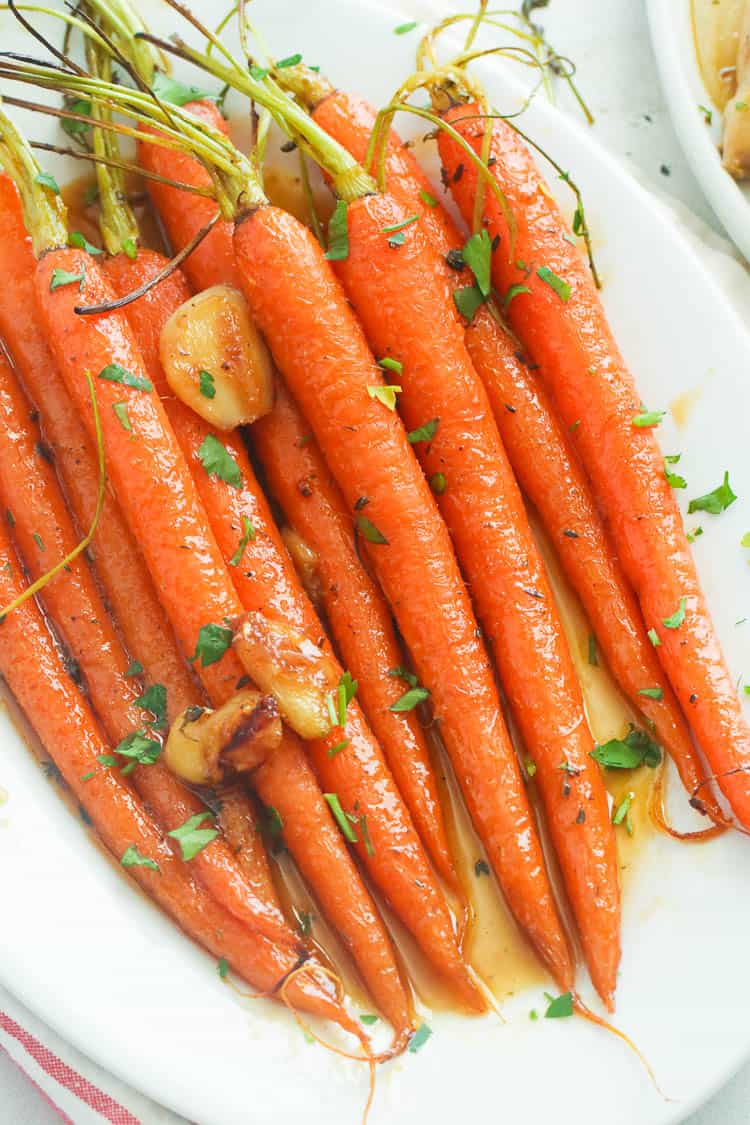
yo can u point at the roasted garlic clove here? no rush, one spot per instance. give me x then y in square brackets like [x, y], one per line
[215, 359]
[291, 668]
[305, 563]
[204, 746]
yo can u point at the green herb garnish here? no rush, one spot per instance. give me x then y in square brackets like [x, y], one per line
[191, 837]
[218, 462]
[213, 642]
[558, 284]
[113, 373]
[132, 858]
[714, 502]
[338, 233]
[248, 534]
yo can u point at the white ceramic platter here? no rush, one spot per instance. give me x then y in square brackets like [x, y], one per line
[671, 28]
[83, 949]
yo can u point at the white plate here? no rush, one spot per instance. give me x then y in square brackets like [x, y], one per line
[90, 956]
[672, 37]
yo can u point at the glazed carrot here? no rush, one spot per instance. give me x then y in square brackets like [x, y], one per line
[266, 580]
[130, 592]
[564, 328]
[408, 315]
[34, 673]
[539, 450]
[550, 474]
[193, 584]
[147, 633]
[45, 535]
[355, 609]
[319, 348]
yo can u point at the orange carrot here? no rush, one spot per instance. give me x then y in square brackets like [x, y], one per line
[147, 633]
[30, 664]
[562, 323]
[387, 842]
[539, 450]
[319, 348]
[408, 314]
[43, 530]
[158, 497]
[355, 609]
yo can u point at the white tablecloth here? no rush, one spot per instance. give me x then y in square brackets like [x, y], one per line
[608, 39]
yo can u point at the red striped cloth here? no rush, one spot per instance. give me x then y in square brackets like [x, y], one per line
[78, 1090]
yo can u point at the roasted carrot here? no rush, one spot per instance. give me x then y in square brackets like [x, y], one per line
[147, 632]
[45, 535]
[164, 511]
[562, 324]
[355, 608]
[539, 450]
[319, 348]
[30, 664]
[265, 579]
[148, 635]
[408, 315]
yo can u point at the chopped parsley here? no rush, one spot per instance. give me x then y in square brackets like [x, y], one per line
[393, 365]
[248, 534]
[648, 418]
[113, 373]
[154, 699]
[75, 238]
[410, 699]
[468, 300]
[371, 533]
[290, 60]
[558, 284]
[481, 867]
[222, 968]
[131, 857]
[477, 254]
[168, 89]
[342, 745]
[676, 619]
[427, 199]
[622, 813]
[400, 226]
[423, 433]
[135, 668]
[708, 115]
[673, 479]
[652, 692]
[340, 817]
[714, 502]
[437, 483]
[593, 654]
[385, 393]
[47, 180]
[191, 837]
[404, 674]
[653, 636]
[218, 462]
[213, 642]
[207, 384]
[636, 749]
[138, 748]
[403, 28]
[61, 278]
[368, 1018]
[338, 233]
[514, 291]
[559, 1007]
[121, 414]
[419, 1038]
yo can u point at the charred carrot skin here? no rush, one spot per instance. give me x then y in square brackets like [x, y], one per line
[572, 342]
[356, 611]
[265, 579]
[319, 348]
[147, 633]
[31, 494]
[32, 669]
[165, 514]
[535, 440]
[485, 514]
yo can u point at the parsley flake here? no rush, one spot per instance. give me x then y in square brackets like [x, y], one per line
[403, 28]
[419, 1038]
[131, 857]
[191, 837]
[218, 462]
[213, 642]
[714, 502]
[385, 393]
[648, 418]
[410, 699]
[371, 533]
[338, 233]
[628, 753]
[514, 291]
[248, 535]
[558, 284]
[75, 238]
[427, 199]
[206, 384]
[60, 278]
[468, 300]
[154, 699]
[393, 365]
[340, 817]
[169, 90]
[673, 479]
[676, 619]
[477, 254]
[559, 1007]
[121, 414]
[114, 373]
[652, 692]
[222, 968]
[46, 179]
[423, 433]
